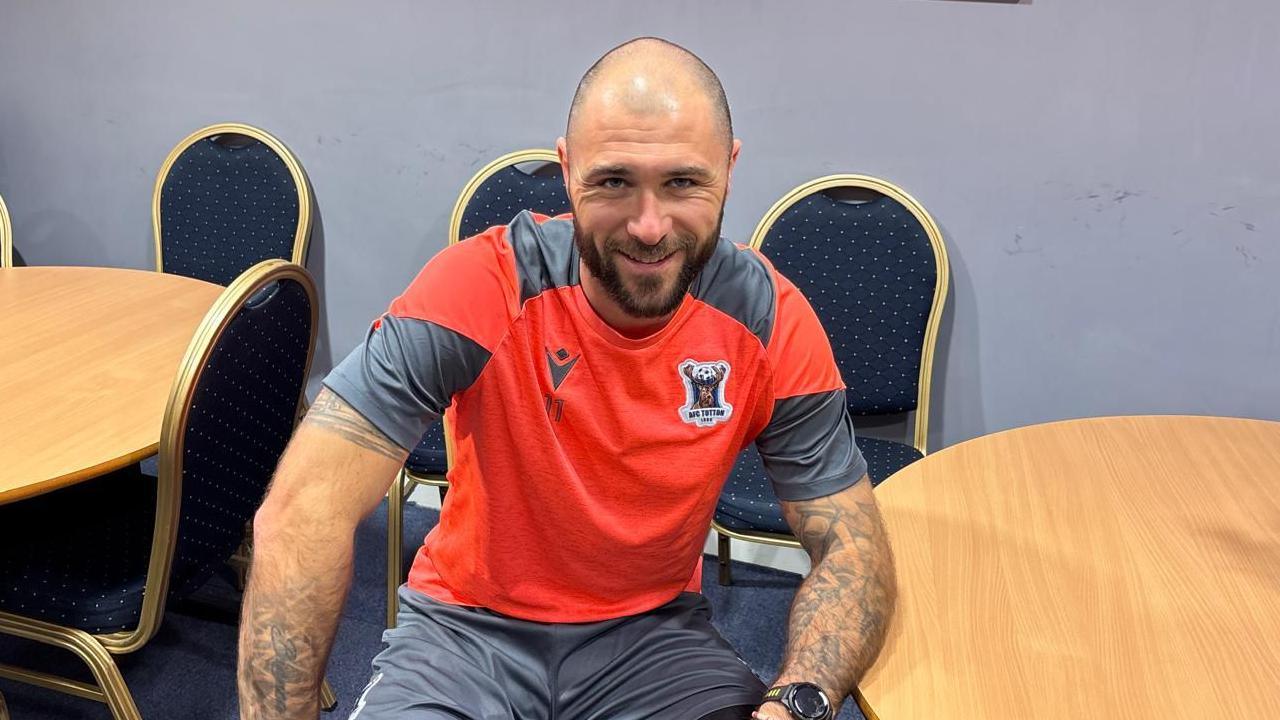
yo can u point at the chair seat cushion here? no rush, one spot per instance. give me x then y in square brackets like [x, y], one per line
[78, 556]
[747, 502]
[428, 458]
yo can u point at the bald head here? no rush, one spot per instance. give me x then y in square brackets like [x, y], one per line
[650, 76]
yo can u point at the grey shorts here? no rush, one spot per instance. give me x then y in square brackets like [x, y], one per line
[446, 661]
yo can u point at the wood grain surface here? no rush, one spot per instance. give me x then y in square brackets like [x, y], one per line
[1110, 567]
[87, 356]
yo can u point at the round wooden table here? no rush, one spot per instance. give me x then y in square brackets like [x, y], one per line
[87, 357]
[1110, 567]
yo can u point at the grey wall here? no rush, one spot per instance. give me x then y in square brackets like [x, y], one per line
[1106, 173]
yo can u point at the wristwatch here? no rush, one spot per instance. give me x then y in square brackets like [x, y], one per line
[805, 701]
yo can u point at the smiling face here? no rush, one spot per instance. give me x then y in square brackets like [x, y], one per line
[647, 166]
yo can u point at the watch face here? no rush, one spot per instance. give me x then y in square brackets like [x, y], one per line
[809, 702]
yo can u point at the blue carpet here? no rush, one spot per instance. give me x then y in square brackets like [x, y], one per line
[188, 670]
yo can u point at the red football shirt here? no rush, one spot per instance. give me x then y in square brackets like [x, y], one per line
[585, 466]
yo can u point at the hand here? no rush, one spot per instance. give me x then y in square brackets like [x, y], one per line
[772, 710]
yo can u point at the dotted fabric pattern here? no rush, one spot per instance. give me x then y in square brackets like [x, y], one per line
[225, 208]
[747, 501]
[506, 193]
[78, 556]
[428, 458]
[241, 418]
[499, 198]
[869, 272]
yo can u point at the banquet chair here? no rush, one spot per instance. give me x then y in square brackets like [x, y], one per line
[523, 180]
[89, 567]
[226, 198]
[871, 262]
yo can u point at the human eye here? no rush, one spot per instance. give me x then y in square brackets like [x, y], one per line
[613, 183]
[682, 183]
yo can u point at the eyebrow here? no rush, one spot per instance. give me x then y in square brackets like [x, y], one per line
[603, 171]
[692, 171]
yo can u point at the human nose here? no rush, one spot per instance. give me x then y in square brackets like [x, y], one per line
[650, 224]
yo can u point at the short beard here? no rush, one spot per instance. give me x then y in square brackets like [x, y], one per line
[647, 303]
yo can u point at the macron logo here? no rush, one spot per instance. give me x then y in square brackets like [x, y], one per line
[560, 364]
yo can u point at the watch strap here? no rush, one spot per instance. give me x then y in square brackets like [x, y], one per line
[774, 694]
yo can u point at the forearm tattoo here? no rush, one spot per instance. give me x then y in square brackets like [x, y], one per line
[280, 663]
[841, 611]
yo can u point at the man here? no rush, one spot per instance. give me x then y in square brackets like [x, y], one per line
[600, 374]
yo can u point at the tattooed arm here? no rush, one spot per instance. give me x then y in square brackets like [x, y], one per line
[841, 611]
[334, 472]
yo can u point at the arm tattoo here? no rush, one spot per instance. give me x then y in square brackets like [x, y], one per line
[283, 666]
[841, 611]
[281, 657]
[333, 414]
[273, 675]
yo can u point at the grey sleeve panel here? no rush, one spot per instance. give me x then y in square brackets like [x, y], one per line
[808, 447]
[737, 282]
[545, 254]
[405, 373]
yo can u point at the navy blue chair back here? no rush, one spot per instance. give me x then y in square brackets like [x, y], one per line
[228, 197]
[240, 416]
[524, 180]
[869, 264]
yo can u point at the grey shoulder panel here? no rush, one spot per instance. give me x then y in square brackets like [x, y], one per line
[737, 282]
[404, 375]
[808, 448]
[545, 254]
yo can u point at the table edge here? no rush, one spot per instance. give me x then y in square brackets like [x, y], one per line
[1086, 418]
[33, 490]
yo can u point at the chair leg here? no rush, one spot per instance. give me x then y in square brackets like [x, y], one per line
[328, 700]
[119, 700]
[395, 541]
[111, 687]
[723, 556]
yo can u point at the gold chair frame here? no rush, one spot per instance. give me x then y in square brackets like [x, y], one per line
[518, 157]
[6, 260]
[407, 480]
[302, 233]
[96, 649]
[943, 269]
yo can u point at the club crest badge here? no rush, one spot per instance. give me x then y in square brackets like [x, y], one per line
[704, 384]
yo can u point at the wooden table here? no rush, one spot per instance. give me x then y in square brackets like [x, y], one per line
[1110, 567]
[87, 357]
